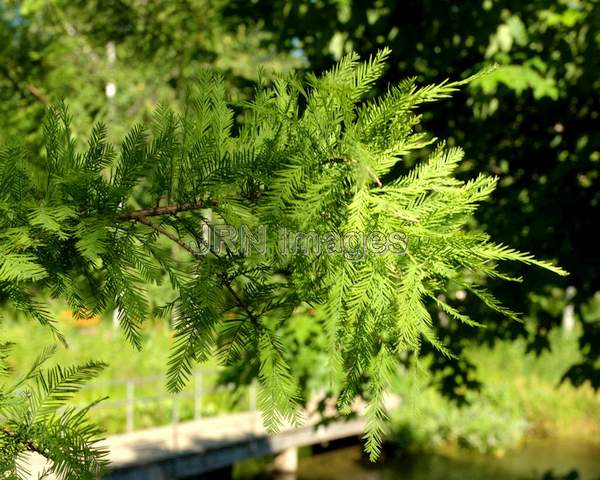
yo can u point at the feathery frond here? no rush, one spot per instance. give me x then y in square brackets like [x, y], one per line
[311, 159]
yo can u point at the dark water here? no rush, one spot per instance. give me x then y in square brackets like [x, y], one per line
[529, 462]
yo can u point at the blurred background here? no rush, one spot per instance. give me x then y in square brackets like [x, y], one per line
[521, 399]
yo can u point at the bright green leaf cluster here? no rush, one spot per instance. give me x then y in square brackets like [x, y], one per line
[315, 156]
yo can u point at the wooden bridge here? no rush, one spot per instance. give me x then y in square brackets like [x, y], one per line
[200, 446]
[186, 449]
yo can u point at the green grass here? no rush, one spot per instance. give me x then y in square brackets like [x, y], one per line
[521, 398]
[125, 363]
[533, 383]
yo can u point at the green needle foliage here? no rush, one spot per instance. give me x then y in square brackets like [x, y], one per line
[312, 156]
[35, 417]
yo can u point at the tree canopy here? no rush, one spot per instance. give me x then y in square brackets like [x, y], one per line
[94, 226]
[246, 141]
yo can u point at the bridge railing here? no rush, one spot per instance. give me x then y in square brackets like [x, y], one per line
[130, 397]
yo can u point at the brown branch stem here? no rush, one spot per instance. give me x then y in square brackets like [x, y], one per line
[37, 93]
[165, 210]
[251, 315]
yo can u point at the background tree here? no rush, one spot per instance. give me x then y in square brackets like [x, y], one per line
[118, 58]
[533, 122]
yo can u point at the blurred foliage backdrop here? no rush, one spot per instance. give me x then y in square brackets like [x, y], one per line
[534, 122]
[114, 60]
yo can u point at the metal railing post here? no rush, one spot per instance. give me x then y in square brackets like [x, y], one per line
[252, 396]
[252, 403]
[175, 421]
[130, 405]
[197, 395]
[175, 410]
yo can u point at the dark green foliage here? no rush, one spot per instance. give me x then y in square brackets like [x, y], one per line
[310, 156]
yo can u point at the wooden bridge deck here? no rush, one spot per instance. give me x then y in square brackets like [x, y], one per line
[191, 448]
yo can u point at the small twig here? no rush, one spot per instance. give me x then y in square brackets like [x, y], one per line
[226, 282]
[251, 315]
[29, 87]
[374, 177]
[37, 93]
[166, 233]
[140, 216]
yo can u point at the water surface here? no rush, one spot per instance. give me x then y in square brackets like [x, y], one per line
[529, 462]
